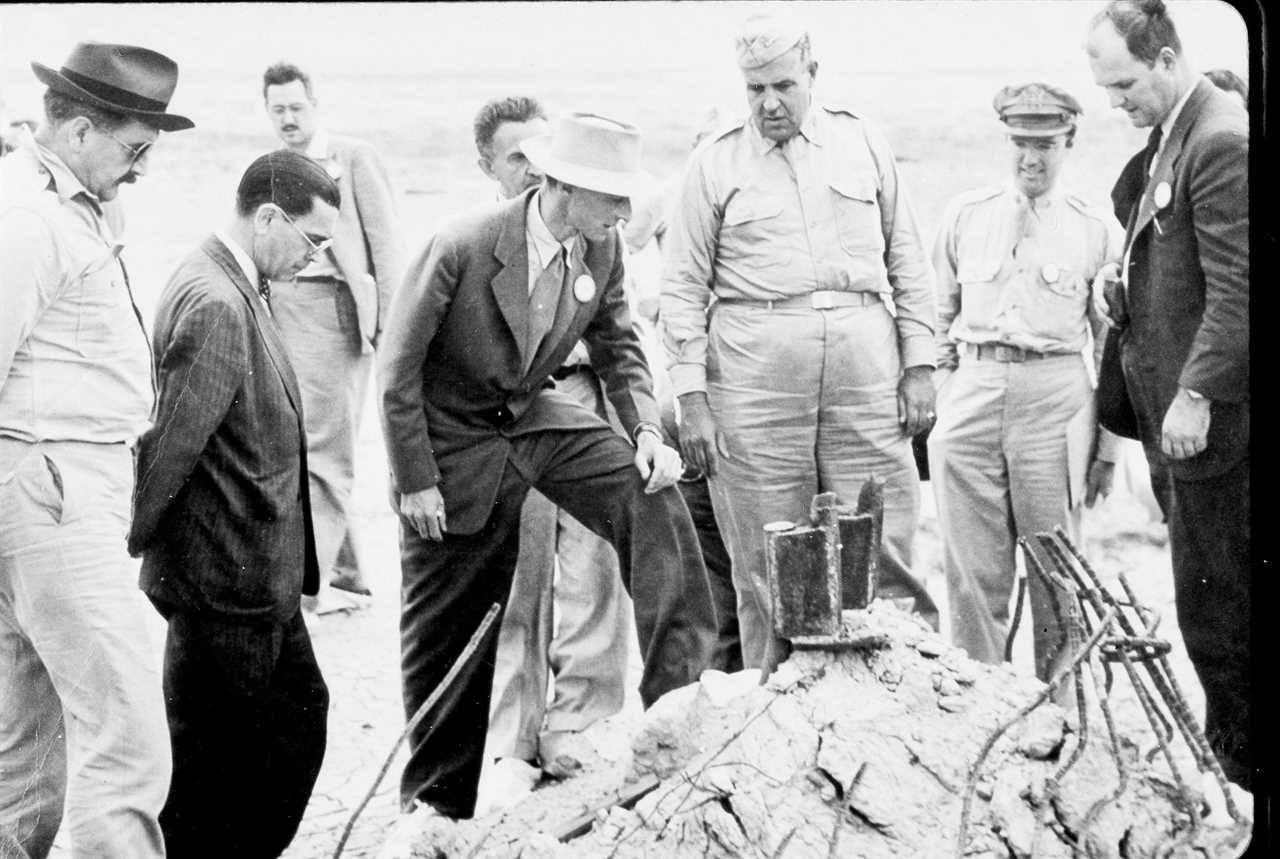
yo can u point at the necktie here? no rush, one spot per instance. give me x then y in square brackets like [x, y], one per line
[1024, 228]
[543, 302]
[264, 289]
[1153, 146]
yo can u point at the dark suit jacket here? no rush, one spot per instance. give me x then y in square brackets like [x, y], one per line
[1189, 281]
[221, 513]
[450, 364]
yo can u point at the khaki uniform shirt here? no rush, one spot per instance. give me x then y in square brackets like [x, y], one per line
[1000, 282]
[763, 220]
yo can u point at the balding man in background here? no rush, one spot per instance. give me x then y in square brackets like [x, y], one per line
[799, 379]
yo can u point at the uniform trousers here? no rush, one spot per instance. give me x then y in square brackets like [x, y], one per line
[248, 711]
[566, 582]
[82, 719]
[448, 586]
[322, 333]
[998, 458]
[807, 400]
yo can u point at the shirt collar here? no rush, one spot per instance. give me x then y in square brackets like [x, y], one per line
[241, 257]
[318, 148]
[65, 184]
[1167, 125]
[540, 238]
[1045, 201]
[812, 129]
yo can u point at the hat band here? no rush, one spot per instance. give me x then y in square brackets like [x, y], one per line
[121, 97]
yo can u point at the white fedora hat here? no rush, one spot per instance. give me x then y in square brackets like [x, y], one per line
[592, 152]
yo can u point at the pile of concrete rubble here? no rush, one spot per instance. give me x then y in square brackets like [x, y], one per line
[868, 752]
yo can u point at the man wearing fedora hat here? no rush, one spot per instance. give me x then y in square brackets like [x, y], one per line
[82, 716]
[812, 371]
[488, 310]
[566, 578]
[1013, 452]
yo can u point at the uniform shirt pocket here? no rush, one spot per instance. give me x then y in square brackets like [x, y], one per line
[857, 212]
[752, 227]
[104, 313]
[1057, 304]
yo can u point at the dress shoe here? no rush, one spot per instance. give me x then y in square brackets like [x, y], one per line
[504, 784]
[351, 583]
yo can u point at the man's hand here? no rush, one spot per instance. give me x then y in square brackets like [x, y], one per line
[1185, 431]
[915, 400]
[424, 510]
[1098, 289]
[1098, 481]
[700, 442]
[656, 462]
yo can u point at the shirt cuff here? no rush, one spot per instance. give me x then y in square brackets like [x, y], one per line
[688, 378]
[917, 349]
[1108, 446]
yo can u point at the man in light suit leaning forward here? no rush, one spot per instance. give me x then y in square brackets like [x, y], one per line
[332, 313]
[222, 519]
[489, 309]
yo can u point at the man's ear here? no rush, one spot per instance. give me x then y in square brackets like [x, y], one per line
[486, 166]
[76, 133]
[263, 217]
[813, 69]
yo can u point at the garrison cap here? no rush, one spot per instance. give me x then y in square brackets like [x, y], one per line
[764, 38]
[1036, 110]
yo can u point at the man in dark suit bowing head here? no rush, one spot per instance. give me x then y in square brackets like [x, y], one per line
[222, 517]
[488, 310]
[1184, 341]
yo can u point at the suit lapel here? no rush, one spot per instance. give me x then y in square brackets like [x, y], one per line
[567, 307]
[1163, 173]
[266, 326]
[511, 285]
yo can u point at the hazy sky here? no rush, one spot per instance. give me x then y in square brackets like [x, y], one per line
[503, 39]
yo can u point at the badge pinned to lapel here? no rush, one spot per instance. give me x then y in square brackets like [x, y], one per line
[1162, 195]
[1050, 273]
[584, 288]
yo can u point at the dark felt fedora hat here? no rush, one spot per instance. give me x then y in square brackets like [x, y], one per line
[123, 79]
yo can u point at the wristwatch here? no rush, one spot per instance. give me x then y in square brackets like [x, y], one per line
[646, 426]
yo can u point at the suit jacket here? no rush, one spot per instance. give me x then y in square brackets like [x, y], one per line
[451, 365]
[222, 512]
[366, 240]
[1188, 281]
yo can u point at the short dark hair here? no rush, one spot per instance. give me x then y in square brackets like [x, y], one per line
[1228, 81]
[289, 179]
[284, 73]
[59, 108]
[1145, 27]
[517, 108]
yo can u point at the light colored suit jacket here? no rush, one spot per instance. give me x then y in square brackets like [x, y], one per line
[222, 511]
[451, 375]
[366, 240]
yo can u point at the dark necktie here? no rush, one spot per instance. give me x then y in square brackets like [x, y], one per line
[543, 302]
[1153, 146]
[264, 289]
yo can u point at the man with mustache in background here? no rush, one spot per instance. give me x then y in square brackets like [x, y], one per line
[331, 316]
[82, 723]
[566, 577]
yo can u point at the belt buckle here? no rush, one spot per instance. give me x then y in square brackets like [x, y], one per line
[1011, 354]
[822, 299]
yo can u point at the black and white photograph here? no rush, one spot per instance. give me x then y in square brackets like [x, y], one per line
[629, 429]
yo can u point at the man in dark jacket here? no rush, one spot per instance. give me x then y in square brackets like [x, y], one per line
[222, 518]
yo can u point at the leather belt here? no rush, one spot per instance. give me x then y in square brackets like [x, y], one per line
[324, 278]
[1007, 354]
[568, 370]
[822, 299]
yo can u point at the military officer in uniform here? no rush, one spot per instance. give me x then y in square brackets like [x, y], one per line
[792, 241]
[1013, 452]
